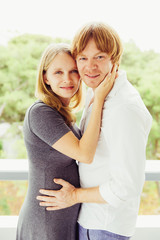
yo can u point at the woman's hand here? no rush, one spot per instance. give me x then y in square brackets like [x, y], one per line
[106, 85]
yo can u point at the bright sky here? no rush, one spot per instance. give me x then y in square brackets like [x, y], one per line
[132, 19]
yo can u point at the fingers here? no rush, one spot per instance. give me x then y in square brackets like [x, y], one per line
[114, 69]
[48, 204]
[61, 182]
[46, 199]
[54, 192]
[53, 208]
[113, 74]
[48, 192]
[116, 75]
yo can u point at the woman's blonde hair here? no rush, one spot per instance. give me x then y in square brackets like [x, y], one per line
[44, 91]
[106, 39]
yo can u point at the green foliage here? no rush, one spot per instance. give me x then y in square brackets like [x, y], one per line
[1, 145]
[150, 201]
[12, 196]
[20, 149]
[144, 73]
[4, 209]
[78, 117]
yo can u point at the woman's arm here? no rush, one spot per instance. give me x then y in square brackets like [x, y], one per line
[83, 150]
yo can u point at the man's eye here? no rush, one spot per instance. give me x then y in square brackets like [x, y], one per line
[100, 57]
[75, 71]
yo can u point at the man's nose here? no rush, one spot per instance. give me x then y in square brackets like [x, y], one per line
[91, 64]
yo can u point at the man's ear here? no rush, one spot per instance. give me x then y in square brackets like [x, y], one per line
[45, 79]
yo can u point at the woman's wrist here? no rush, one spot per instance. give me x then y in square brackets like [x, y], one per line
[99, 101]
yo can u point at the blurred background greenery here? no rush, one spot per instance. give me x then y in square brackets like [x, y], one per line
[18, 69]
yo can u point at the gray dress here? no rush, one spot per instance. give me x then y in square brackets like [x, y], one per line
[43, 126]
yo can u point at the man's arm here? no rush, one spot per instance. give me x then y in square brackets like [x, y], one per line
[126, 129]
[68, 195]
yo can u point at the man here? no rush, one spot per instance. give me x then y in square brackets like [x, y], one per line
[112, 184]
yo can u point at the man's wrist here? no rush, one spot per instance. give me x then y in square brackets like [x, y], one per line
[88, 195]
[80, 195]
[76, 196]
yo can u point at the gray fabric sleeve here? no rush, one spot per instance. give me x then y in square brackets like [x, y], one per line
[46, 123]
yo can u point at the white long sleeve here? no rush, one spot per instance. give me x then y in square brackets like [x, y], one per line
[126, 130]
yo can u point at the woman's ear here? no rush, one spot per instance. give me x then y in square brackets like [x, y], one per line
[45, 79]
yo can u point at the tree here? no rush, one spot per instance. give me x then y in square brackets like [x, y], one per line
[144, 73]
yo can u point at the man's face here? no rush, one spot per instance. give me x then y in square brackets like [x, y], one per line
[93, 65]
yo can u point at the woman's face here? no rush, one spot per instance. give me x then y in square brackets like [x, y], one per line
[62, 76]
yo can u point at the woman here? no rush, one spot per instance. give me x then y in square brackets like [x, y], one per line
[53, 145]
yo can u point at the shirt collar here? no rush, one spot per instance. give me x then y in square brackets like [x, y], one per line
[122, 78]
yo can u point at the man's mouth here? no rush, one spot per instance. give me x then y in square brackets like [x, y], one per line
[92, 76]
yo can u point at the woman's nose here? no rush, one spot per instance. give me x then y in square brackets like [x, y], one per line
[67, 78]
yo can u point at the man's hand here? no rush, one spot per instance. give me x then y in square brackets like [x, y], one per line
[58, 199]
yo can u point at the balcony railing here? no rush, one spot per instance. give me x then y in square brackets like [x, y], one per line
[147, 228]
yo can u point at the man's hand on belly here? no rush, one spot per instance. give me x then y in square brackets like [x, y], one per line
[58, 199]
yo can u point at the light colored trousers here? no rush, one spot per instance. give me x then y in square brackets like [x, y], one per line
[91, 234]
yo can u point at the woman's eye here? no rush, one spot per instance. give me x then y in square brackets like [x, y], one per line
[58, 72]
[82, 58]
